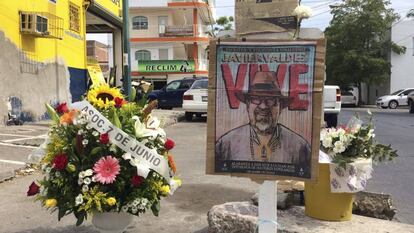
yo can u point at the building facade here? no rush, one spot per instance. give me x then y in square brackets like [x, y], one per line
[402, 65]
[43, 57]
[402, 69]
[169, 39]
[98, 51]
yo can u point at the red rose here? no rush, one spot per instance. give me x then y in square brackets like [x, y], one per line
[62, 108]
[169, 144]
[33, 189]
[137, 180]
[104, 138]
[60, 161]
[118, 102]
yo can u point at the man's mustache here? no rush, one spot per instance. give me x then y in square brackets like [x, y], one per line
[260, 111]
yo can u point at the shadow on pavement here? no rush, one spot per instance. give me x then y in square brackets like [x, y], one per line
[69, 229]
[199, 198]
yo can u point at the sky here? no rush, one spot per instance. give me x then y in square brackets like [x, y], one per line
[320, 19]
[321, 14]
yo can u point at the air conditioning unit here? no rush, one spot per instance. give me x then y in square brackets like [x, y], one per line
[34, 23]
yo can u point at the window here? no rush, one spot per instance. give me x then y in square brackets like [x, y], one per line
[163, 54]
[33, 23]
[74, 18]
[140, 23]
[186, 84]
[407, 92]
[41, 24]
[200, 84]
[143, 55]
[173, 86]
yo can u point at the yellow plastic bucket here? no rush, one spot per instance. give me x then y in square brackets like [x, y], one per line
[320, 203]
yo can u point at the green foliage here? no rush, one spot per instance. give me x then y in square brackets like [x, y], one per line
[356, 141]
[74, 187]
[358, 42]
[224, 23]
[52, 113]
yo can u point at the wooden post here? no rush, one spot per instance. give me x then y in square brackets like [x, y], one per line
[268, 207]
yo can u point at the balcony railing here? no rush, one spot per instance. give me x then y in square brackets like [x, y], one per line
[176, 30]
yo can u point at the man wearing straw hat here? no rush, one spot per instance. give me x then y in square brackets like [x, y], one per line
[263, 139]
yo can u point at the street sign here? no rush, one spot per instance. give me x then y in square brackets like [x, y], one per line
[257, 16]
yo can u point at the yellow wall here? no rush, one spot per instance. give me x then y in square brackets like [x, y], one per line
[71, 48]
[112, 6]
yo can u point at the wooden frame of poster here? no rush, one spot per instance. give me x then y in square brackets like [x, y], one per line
[238, 70]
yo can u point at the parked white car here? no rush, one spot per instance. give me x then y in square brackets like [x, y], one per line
[398, 98]
[349, 98]
[331, 104]
[195, 99]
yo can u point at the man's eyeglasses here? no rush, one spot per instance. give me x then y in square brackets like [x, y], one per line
[268, 101]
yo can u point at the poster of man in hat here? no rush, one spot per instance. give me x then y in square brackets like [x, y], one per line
[264, 108]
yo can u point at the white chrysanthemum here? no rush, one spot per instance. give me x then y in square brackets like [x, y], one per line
[88, 172]
[341, 132]
[339, 147]
[85, 188]
[327, 142]
[134, 210]
[124, 208]
[85, 142]
[79, 200]
[371, 133]
[81, 175]
[302, 12]
[80, 181]
[87, 181]
[81, 131]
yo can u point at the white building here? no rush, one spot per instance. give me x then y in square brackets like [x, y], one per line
[402, 66]
[402, 71]
[169, 38]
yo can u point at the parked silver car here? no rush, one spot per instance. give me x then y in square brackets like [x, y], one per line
[398, 98]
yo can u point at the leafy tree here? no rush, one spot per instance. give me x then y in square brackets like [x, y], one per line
[359, 43]
[410, 14]
[224, 23]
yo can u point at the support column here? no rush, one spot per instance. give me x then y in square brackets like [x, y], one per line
[118, 56]
[195, 55]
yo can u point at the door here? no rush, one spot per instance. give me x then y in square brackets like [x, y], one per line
[169, 96]
[402, 100]
[162, 24]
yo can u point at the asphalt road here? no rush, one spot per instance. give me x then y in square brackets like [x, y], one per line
[395, 127]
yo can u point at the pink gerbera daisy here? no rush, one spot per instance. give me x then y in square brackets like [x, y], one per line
[106, 170]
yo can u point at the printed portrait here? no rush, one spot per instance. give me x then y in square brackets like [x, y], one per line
[264, 108]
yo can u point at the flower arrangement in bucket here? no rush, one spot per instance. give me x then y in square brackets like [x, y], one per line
[105, 155]
[351, 149]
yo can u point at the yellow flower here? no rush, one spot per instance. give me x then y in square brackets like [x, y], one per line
[178, 181]
[104, 96]
[111, 201]
[165, 189]
[50, 203]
